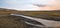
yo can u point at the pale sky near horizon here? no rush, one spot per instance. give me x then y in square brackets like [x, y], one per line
[22, 4]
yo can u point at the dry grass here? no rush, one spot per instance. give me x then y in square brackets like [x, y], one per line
[8, 21]
[13, 22]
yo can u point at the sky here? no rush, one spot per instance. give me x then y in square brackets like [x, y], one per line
[22, 4]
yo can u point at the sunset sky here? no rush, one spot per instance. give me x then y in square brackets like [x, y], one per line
[22, 4]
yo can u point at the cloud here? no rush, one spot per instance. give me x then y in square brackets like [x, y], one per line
[18, 4]
[44, 2]
[22, 4]
[28, 8]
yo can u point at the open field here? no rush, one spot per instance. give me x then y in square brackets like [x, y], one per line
[13, 22]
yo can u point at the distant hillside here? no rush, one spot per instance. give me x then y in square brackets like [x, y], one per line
[40, 14]
[7, 11]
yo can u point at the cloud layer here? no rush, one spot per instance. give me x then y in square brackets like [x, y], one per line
[22, 4]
